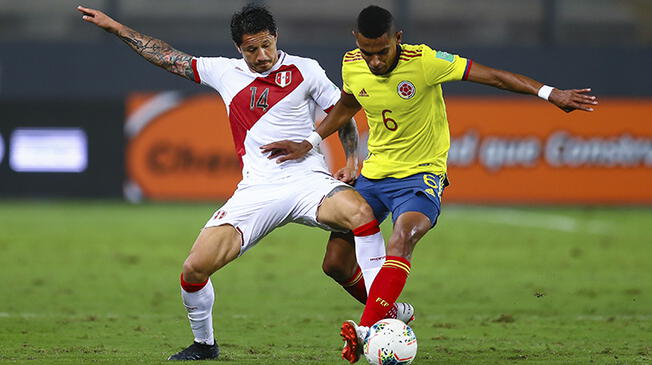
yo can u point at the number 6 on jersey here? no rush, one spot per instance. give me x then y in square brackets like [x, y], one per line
[389, 122]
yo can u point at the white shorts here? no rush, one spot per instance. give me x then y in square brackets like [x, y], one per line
[256, 209]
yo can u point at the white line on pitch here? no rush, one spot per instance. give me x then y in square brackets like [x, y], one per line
[526, 218]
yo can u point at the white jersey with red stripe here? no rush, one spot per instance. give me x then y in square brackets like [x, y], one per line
[272, 106]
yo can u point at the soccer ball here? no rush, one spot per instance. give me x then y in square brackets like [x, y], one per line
[390, 342]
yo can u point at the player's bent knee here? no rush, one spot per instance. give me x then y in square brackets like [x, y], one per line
[409, 238]
[362, 214]
[195, 272]
[402, 242]
[214, 248]
[366, 213]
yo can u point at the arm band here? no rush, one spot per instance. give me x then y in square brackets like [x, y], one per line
[544, 92]
[314, 139]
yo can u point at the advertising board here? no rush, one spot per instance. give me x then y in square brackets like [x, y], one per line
[503, 150]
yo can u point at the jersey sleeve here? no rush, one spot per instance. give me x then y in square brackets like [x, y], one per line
[209, 70]
[440, 67]
[346, 87]
[323, 91]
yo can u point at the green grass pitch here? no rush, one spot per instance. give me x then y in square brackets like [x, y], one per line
[97, 283]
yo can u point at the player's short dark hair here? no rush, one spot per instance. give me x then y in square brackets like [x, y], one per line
[251, 19]
[374, 21]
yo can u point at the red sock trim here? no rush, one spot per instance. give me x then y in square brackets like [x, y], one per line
[354, 279]
[398, 262]
[355, 286]
[191, 288]
[367, 229]
[401, 259]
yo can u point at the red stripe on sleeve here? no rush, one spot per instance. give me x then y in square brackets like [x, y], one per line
[328, 110]
[194, 71]
[469, 63]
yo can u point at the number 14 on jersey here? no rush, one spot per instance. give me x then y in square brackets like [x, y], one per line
[262, 99]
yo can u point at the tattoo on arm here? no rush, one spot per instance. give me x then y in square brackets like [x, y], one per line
[348, 134]
[337, 189]
[159, 53]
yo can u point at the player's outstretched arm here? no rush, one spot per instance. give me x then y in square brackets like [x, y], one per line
[342, 113]
[153, 50]
[566, 100]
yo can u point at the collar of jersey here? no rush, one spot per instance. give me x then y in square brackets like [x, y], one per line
[277, 65]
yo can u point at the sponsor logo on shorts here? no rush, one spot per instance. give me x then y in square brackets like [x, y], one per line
[430, 180]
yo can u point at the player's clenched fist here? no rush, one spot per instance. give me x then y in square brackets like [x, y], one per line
[98, 18]
[346, 174]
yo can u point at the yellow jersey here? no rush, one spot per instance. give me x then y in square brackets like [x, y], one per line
[408, 128]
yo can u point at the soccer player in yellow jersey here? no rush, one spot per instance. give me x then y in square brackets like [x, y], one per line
[399, 87]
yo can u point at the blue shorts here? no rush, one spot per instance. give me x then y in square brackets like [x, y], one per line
[416, 193]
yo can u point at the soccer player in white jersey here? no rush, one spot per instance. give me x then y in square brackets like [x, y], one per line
[270, 95]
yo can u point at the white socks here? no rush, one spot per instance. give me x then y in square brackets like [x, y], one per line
[370, 253]
[199, 305]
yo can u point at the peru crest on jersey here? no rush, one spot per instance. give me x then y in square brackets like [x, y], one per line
[283, 78]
